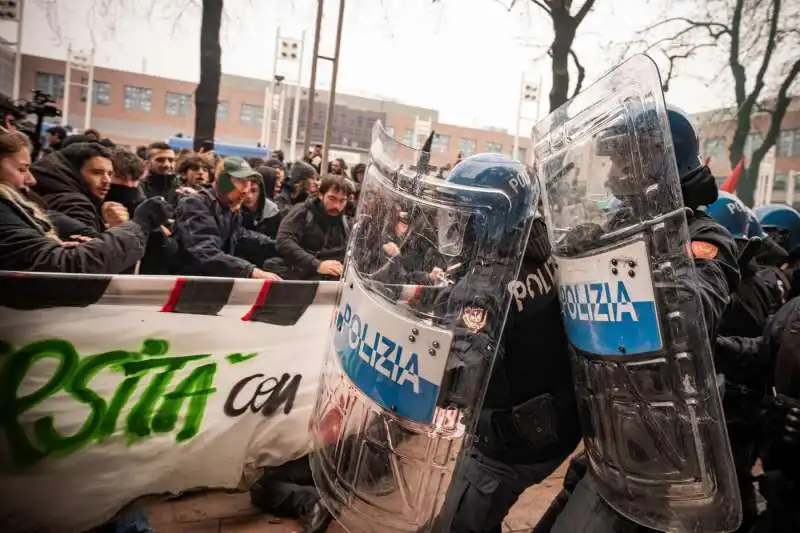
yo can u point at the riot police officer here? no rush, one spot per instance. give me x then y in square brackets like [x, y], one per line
[759, 295]
[529, 422]
[717, 276]
[782, 222]
[775, 358]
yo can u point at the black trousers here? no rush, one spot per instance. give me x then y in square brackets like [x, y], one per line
[286, 490]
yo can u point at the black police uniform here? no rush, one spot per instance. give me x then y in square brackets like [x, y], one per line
[717, 276]
[775, 358]
[529, 422]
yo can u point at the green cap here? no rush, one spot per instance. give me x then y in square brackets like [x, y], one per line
[234, 167]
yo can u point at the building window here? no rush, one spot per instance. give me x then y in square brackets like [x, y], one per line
[389, 130]
[222, 111]
[467, 147]
[251, 114]
[779, 184]
[752, 143]
[52, 84]
[788, 144]
[137, 98]
[178, 104]
[441, 144]
[521, 154]
[494, 148]
[408, 137]
[715, 148]
[101, 91]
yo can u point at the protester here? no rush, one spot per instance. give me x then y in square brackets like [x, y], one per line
[28, 240]
[124, 189]
[338, 167]
[208, 226]
[312, 238]
[357, 174]
[75, 181]
[194, 172]
[56, 136]
[160, 179]
[262, 213]
[297, 188]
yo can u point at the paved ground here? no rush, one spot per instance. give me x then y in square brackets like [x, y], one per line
[221, 512]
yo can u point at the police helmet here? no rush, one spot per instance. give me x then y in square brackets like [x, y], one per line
[503, 174]
[732, 214]
[783, 219]
[754, 228]
[684, 140]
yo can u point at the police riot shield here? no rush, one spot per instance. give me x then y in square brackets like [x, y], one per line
[653, 425]
[413, 337]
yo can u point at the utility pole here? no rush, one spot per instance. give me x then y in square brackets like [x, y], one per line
[332, 99]
[312, 88]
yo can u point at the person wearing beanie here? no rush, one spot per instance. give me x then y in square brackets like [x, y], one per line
[208, 226]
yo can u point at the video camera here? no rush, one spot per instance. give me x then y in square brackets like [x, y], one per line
[14, 114]
[42, 105]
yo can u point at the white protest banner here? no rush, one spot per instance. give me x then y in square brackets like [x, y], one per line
[113, 388]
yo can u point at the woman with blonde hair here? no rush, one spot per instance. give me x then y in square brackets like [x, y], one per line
[29, 241]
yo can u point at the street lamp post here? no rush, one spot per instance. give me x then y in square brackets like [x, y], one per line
[529, 92]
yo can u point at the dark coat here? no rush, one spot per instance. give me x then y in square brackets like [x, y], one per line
[308, 236]
[25, 246]
[208, 234]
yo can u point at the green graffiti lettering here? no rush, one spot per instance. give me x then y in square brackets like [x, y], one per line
[197, 387]
[12, 375]
[78, 388]
[154, 411]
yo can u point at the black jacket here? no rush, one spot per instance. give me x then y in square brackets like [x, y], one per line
[63, 189]
[25, 246]
[532, 365]
[308, 236]
[207, 231]
[164, 185]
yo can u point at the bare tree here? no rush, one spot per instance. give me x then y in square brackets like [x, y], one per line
[105, 16]
[759, 39]
[565, 28]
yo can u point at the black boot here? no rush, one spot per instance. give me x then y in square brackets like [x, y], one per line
[317, 519]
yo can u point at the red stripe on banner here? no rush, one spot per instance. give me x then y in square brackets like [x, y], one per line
[262, 297]
[174, 296]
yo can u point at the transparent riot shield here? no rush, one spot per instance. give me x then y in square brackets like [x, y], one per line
[652, 419]
[412, 340]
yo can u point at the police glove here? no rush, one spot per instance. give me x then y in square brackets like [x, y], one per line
[153, 213]
[783, 425]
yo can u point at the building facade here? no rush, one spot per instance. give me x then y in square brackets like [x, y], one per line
[716, 134]
[136, 109]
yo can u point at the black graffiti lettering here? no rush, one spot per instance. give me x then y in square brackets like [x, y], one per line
[273, 391]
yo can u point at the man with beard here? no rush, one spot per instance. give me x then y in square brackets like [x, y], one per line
[312, 239]
[160, 179]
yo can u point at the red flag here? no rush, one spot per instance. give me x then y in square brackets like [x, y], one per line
[733, 180]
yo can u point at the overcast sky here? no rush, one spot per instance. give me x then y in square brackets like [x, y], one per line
[462, 57]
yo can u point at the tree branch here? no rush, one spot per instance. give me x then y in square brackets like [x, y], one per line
[583, 11]
[581, 72]
[544, 6]
[721, 29]
[672, 58]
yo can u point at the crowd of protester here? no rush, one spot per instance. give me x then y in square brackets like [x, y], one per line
[87, 206]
